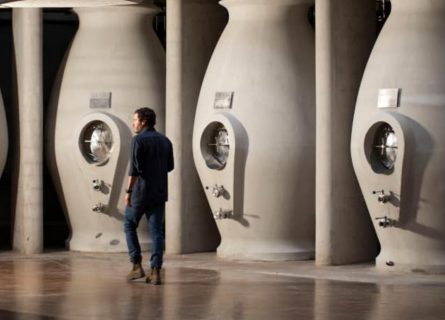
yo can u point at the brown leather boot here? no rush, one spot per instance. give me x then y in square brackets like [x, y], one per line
[154, 277]
[136, 273]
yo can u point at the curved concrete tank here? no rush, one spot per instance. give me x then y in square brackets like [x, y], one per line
[397, 138]
[3, 136]
[115, 65]
[254, 131]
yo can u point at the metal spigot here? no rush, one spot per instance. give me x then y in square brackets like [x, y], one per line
[382, 197]
[99, 207]
[217, 191]
[222, 214]
[385, 222]
[97, 184]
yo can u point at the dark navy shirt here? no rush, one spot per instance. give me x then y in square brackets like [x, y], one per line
[151, 160]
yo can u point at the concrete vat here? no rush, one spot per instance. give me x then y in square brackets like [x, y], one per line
[254, 131]
[397, 138]
[115, 64]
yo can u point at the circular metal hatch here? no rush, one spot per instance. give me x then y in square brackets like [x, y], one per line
[96, 142]
[215, 145]
[385, 146]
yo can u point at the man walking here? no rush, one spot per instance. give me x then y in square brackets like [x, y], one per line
[147, 192]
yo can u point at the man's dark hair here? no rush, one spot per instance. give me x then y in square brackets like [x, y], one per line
[147, 115]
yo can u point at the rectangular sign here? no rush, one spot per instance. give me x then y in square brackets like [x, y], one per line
[388, 98]
[223, 100]
[100, 100]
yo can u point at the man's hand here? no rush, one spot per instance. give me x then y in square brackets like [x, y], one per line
[131, 182]
[127, 200]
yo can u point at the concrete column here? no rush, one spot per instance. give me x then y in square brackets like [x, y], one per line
[28, 224]
[345, 35]
[193, 28]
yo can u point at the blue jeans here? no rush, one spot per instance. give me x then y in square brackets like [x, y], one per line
[155, 218]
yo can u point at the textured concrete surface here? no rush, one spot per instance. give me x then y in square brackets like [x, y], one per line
[66, 285]
[115, 65]
[264, 66]
[28, 50]
[193, 28]
[340, 24]
[413, 186]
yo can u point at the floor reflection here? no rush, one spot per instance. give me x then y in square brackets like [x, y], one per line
[93, 287]
[343, 300]
[9, 315]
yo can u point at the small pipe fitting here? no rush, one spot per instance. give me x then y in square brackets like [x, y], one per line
[382, 197]
[99, 207]
[218, 191]
[385, 222]
[97, 184]
[222, 214]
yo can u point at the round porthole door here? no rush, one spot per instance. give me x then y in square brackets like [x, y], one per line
[96, 142]
[215, 145]
[385, 146]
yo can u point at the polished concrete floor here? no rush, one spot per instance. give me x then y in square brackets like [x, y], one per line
[66, 285]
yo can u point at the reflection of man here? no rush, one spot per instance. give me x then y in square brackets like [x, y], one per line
[151, 160]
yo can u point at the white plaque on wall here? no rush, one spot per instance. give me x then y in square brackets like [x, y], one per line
[100, 100]
[388, 98]
[223, 100]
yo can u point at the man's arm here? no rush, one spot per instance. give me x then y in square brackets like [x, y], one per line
[130, 184]
[133, 172]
